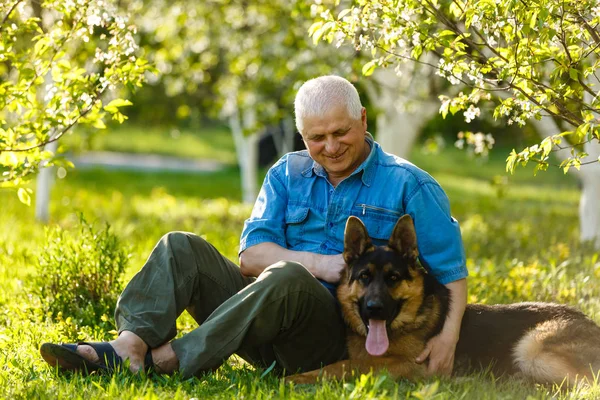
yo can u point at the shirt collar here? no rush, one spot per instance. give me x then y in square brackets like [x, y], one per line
[367, 166]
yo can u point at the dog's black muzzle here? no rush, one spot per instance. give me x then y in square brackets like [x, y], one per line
[378, 308]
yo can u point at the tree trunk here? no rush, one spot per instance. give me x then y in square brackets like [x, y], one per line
[246, 148]
[44, 182]
[289, 131]
[589, 204]
[45, 177]
[398, 130]
[405, 107]
[588, 175]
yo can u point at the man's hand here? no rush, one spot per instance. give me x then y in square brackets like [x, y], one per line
[255, 259]
[329, 268]
[440, 351]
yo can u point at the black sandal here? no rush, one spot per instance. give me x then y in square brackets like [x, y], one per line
[65, 356]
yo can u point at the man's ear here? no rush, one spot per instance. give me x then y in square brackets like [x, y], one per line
[404, 237]
[356, 240]
[363, 118]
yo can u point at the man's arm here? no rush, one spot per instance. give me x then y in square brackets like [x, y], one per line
[255, 259]
[440, 349]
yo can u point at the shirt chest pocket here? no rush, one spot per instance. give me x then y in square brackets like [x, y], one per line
[296, 220]
[379, 221]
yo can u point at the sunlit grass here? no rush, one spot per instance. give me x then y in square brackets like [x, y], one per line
[521, 243]
[213, 142]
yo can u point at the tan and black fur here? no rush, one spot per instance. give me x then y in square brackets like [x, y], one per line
[544, 342]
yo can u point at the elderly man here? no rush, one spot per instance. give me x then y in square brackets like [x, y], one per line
[279, 305]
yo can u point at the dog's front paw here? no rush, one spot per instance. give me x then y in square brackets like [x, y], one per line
[300, 379]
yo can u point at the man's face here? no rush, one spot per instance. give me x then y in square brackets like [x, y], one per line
[336, 141]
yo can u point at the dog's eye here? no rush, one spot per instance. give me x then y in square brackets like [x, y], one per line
[364, 276]
[394, 278]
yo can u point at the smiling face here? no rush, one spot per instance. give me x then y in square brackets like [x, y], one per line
[336, 141]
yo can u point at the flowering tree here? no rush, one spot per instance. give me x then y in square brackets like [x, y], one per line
[248, 58]
[57, 61]
[535, 60]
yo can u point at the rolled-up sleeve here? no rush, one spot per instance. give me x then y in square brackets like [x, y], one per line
[441, 249]
[267, 221]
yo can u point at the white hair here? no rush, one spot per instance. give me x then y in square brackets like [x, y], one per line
[318, 96]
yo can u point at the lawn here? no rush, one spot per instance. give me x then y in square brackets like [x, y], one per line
[520, 239]
[206, 142]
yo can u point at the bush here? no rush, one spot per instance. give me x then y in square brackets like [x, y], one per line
[79, 274]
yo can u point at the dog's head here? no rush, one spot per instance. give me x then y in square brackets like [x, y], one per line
[382, 287]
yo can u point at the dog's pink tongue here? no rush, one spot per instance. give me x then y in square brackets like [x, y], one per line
[377, 340]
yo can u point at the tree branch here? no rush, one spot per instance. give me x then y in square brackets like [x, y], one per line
[57, 136]
[9, 12]
[588, 28]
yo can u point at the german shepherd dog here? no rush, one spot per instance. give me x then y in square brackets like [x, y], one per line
[393, 307]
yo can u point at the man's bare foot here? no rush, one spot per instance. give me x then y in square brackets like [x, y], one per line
[127, 346]
[130, 346]
[165, 360]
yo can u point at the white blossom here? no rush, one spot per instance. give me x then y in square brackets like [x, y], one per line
[471, 113]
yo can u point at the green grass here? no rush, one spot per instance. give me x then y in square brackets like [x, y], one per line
[212, 142]
[521, 242]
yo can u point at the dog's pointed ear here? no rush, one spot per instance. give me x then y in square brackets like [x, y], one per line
[356, 240]
[404, 237]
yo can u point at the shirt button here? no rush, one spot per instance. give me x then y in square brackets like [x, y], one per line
[331, 224]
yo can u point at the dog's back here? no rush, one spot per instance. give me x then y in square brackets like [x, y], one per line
[545, 342]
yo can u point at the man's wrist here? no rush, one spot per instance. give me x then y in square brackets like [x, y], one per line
[315, 264]
[451, 332]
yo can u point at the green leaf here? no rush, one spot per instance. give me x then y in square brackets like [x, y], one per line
[114, 105]
[533, 20]
[454, 108]
[546, 146]
[511, 161]
[446, 33]
[582, 130]
[369, 68]
[343, 13]
[64, 64]
[456, 11]
[573, 73]
[587, 116]
[24, 196]
[314, 27]
[416, 52]
[319, 33]
[41, 46]
[9, 159]
[99, 124]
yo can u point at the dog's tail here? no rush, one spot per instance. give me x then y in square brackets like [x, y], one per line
[560, 350]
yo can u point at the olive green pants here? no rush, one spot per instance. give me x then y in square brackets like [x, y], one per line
[285, 315]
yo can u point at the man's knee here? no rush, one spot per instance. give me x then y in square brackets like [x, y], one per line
[180, 238]
[180, 251]
[286, 273]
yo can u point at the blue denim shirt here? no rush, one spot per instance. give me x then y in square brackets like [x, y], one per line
[298, 209]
